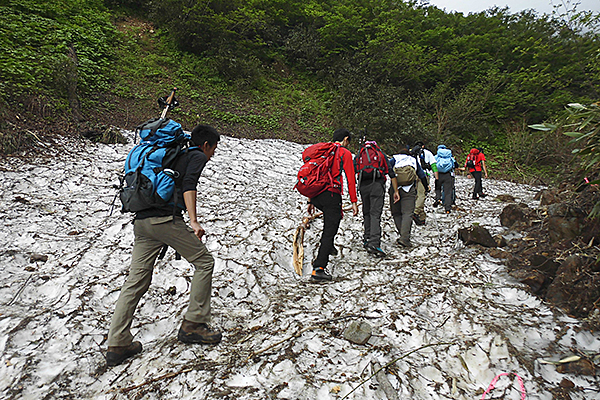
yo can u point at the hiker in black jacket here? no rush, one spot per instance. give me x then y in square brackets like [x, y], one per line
[156, 227]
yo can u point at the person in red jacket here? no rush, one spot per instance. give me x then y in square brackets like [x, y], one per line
[475, 164]
[330, 203]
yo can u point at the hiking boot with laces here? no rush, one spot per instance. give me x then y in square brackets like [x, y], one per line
[192, 332]
[319, 274]
[376, 251]
[115, 355]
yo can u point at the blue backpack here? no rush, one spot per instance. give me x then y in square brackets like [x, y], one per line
[149, 181]
[444, 159]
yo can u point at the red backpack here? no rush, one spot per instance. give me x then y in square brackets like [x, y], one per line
[472, 159]
[370, 162]
[315, 177]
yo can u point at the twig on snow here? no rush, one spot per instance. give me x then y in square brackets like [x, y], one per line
[16, 296]
[297, 334]
[392, 362]
[160, 378]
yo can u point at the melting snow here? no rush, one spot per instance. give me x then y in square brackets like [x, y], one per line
[448, 315]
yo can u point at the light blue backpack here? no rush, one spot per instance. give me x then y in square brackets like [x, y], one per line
[443, 159]
[149, 179]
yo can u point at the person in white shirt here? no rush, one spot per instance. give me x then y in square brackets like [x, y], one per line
[402, 211]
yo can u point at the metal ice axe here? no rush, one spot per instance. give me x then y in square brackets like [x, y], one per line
[168, 103]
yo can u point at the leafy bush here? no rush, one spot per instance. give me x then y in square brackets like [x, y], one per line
[46, 44]
[582, 124]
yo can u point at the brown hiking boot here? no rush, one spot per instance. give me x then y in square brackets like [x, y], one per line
[192, 332]
[115, 355]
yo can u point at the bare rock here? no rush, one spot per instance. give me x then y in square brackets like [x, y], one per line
[531, 277]
[544, 264]
[514, 214]
[548, 196]
[477, 234]
[575, 288]
[38, 257]
[580, 367]
[358, 332]
[563, 228]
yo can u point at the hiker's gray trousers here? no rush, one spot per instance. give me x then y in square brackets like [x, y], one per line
[402, 211]
[372, 194]
[420, 202]
[150, 236]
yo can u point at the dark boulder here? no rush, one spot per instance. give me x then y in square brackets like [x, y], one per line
[563, 228]
[531, 277]
[516, 214]
[548, 196]
[544, 264]
[575, 287]
[477, 234]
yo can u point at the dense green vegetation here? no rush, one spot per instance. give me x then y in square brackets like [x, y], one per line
[397, 71]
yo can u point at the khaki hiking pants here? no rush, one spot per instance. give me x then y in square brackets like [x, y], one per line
[150, 236]
[420, 202]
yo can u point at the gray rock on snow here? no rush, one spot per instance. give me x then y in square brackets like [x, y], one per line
[358, 332]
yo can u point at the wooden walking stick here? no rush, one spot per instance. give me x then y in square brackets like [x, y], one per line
[298, 242]
[298, 245]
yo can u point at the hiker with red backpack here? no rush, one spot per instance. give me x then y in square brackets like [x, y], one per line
[475, 163]
[407, 171]
[320, 179]
[371, 167]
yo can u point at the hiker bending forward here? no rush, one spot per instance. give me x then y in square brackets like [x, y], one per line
[402, 211]
[330, 203]
[156, 227]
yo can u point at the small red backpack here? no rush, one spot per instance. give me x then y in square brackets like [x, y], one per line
[472, 159]
[370, 162]
[315, 177]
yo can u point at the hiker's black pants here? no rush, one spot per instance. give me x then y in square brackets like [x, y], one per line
[331, 205]
[478, 183]
[445, 183]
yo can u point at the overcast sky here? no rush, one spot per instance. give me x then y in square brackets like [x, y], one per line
[541, 6]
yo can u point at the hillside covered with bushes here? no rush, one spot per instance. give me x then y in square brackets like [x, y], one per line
[395, 71]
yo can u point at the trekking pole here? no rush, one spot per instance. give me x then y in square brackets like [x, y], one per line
[168, 103]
